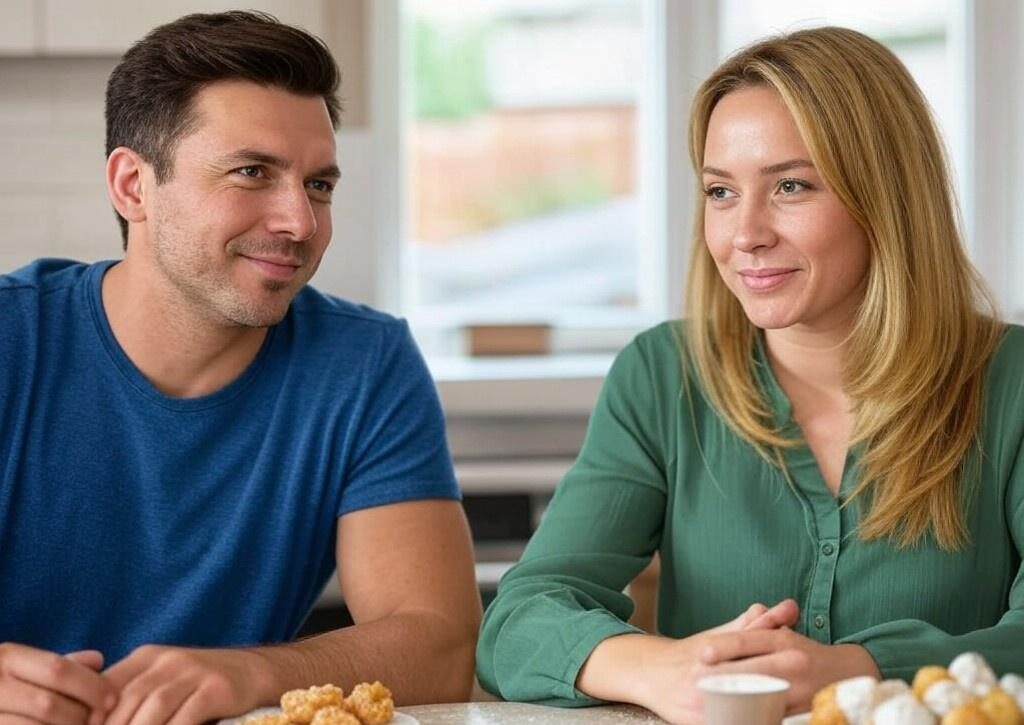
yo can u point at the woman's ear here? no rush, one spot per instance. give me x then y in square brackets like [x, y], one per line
[124, 183]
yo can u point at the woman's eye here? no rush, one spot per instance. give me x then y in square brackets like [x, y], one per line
[791, 186]
[717, 192]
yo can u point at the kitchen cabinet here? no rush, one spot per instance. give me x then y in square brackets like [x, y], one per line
[18, 30]
[108, 27]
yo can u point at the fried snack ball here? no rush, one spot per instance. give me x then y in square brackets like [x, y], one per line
[973, 673]
[824, 708]
[300, 706]
[371, 702]
[888, 689]
[903, 709]
[969, 713]
[1001, 708]
[944, 696]
[928, 676]
[856, 698]
[1013, 685]
[275, 718]
[335, 715]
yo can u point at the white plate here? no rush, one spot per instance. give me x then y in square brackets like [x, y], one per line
[400, 718]
[804, 719]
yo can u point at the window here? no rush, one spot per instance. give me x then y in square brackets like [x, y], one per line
[522, 168]
[968, 58]
[928, 36]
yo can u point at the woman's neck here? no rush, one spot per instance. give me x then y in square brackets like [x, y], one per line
[808, 365]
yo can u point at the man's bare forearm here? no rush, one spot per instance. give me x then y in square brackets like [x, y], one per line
[421, 656]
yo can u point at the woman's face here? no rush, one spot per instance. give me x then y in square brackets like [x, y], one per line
[781, 239]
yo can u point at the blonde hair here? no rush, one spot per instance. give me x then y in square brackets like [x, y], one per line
[915, 359]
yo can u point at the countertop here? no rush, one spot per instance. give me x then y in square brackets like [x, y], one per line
[514, 713]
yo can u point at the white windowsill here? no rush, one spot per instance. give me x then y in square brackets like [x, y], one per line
[558, 385]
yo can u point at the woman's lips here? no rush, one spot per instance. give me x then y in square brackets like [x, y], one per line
[765, 280]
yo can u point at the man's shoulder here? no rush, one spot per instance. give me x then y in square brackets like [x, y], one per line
[44, 276]
[320, 322]
[321, 308]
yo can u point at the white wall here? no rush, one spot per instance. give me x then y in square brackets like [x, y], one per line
[53, 200]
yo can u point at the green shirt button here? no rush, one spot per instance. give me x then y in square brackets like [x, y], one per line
[828, 549]
[819, 622]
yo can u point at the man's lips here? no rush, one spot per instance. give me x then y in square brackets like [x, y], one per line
[279, 268]
[765, 279]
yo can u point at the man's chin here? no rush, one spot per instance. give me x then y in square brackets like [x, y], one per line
[257, 316]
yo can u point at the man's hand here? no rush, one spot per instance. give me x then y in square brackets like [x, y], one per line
[177, 686]
[808, 665]
[40, 687]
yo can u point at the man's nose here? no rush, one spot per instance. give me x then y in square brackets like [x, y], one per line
[291, 214]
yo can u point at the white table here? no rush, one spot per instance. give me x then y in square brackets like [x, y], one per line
[514, 713]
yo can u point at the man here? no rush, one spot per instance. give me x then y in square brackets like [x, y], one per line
[191, 439]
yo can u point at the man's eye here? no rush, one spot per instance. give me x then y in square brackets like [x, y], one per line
[253, 172]
[324, 187]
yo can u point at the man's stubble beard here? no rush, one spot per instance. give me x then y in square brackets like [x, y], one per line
[212, 294]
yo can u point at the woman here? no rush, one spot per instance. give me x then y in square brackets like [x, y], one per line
[827, 454]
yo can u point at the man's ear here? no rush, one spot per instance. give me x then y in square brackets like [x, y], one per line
[124, 183]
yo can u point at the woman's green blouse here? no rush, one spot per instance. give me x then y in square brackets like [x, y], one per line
[660, 472]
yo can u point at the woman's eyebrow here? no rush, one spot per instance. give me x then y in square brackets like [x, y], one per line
[787, 166]
[765, 170]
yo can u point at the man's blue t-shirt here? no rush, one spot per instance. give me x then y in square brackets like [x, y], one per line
[128, 517]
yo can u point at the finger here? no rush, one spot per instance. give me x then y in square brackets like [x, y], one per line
[197, 710]
[162, 703]
[752, 612]
[50, 671]
[8, 719]
[782, 663]
[93, 659]
[44, 706]
[150, 674]
[121, 673]
[790, 665]
[130, 681]
[127, 705]
[784, 614]
[730, 646]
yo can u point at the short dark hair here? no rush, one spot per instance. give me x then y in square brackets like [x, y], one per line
[150, 93]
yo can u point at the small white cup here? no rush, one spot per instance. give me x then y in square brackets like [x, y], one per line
[743, 699]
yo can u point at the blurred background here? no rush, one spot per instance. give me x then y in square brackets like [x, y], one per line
[514, 165]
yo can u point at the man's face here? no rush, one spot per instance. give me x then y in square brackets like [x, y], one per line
[243, 221]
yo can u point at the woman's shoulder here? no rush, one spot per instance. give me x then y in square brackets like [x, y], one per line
[1004, 378]
[652, 359]
[658, 346]
[1007, 364]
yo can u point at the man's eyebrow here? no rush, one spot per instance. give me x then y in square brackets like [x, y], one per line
[255, 156]
[331, 171]
[765, 170]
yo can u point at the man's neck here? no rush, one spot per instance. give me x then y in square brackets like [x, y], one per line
[182, 352]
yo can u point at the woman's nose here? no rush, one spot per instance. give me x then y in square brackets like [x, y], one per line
[753, 227]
